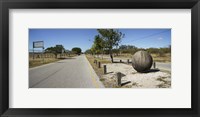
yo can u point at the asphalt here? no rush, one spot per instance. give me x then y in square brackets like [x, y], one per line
[164, 66]
[75, 72]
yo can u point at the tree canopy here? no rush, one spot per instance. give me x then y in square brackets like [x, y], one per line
[111, 39]
[76, 50]
[98, 44]
[58, 49]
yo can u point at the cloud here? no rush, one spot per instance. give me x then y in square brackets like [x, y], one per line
[160, 38]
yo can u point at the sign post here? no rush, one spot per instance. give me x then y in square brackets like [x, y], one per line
[39, 44]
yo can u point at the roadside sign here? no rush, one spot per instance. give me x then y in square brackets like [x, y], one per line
[38, 44]
[60, 48]
[58, 45]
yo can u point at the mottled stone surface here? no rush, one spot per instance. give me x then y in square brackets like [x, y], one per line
[142, 61]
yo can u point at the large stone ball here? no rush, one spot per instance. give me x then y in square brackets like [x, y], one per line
[142, 61]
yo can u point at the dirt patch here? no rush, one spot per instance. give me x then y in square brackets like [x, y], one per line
[133, 79]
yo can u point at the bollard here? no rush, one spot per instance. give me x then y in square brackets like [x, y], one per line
[119, 76]
[99, 64]
[120, 61]
[105, 70]
[96, 62]
[154, 65]
[128, 61]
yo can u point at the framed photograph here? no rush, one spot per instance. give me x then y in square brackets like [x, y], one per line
[99, 58]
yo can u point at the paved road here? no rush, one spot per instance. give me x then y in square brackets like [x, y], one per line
[163, 66]
[69, 73]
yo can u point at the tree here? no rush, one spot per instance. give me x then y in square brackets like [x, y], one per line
[88, 51]
[128, 49]
[98, 45]
[68, 52]
[76, 50]
[112, 38]
[58, 49]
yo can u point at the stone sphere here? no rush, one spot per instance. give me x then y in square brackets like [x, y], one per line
[142, 61]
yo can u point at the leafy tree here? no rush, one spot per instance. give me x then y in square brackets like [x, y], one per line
[58, 49]
[98, 45]
[68, 52]
[76, 50]
[88, 51]
[111, 38]
[128, 49]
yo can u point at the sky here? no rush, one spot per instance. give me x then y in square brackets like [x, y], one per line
[83, 38]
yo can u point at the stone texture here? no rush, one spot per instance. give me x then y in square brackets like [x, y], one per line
[142, 61]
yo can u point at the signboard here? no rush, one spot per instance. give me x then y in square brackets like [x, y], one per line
[38, 44]
[60, 48]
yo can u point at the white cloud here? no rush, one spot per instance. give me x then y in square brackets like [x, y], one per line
[160, 38]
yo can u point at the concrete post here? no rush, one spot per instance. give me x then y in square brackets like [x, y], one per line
[154, 64]
[99, 64]
[96, 62]
[105, 70]
[119, 76]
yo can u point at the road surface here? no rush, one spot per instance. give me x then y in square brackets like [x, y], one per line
[164, 66]
[75, 72]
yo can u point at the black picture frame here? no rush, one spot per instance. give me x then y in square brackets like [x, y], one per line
[5, 5]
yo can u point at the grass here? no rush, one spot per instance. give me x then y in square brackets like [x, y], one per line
[156, 57]
[48, 58]
[108, 83]
[111, 83]
[39, 61]
[163, 58]
[99, 71]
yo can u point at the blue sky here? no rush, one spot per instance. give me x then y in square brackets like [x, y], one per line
[84, 38]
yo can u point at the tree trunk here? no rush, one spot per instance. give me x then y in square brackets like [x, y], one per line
[111, 56]
[102, 54]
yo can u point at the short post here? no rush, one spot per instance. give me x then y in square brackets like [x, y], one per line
[99, 64]
[154, 64]
[119, 76]
[128, 61]
[43, 55]
[104, 69]
[33, 53]
[120, 61]
[96, 62]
